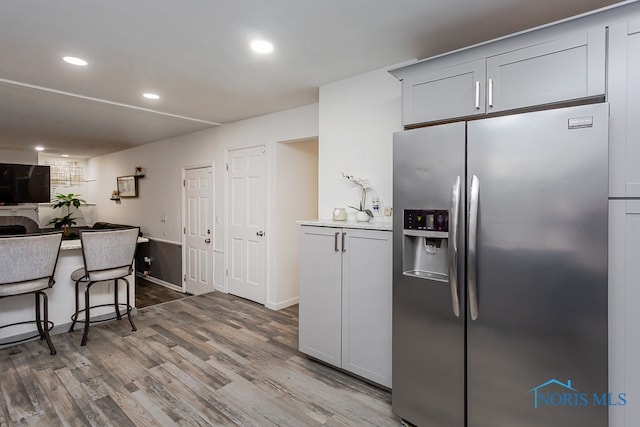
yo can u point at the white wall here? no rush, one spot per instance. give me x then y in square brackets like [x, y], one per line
[357, 119]
[85, 215]
[159, 192]
[296, 199]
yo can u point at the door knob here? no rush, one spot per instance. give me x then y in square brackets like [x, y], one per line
[207, 240]
[260, 233]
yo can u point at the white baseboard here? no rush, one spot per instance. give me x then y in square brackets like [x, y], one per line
[160, 282]
[282, 304]
[219, 288]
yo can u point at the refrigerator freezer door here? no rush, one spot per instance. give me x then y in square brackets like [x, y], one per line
[428, 337]
[541, 329]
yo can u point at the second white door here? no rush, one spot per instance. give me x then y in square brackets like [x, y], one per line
[246, 219]
[198, 233]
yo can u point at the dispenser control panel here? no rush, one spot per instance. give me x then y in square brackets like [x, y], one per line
[431, 220]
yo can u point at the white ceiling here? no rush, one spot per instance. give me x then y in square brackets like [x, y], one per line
[195, 54]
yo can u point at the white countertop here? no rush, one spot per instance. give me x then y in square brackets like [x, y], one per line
[370, 225]
[75, 243]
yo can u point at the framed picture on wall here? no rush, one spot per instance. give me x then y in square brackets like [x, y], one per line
[127, 186]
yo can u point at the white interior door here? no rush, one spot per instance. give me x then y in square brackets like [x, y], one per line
[198, 233]
[246, 220]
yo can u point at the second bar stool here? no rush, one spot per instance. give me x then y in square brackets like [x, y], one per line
[108, 255]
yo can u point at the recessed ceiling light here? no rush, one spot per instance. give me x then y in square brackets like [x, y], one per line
[261, 46]
[39, 148]
[64, 155]
[151, 95]
[75, 61]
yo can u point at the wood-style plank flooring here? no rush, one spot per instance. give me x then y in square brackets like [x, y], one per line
[203, 360]
[148, 293]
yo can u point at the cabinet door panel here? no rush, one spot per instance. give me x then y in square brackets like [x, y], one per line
[624, 98]
[320, 293]
[560, 70]
[366, 305]
[445, 94]
[633, 111]
[624, 298]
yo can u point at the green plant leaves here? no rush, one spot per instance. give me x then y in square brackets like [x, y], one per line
[65, 201]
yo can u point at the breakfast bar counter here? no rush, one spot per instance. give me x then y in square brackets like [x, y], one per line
[61, 297]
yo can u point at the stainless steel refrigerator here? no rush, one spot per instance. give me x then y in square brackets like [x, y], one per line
[500, 271]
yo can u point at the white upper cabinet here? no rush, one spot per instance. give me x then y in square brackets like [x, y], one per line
[624, 99]
[524, 75]
[451, 92]
[565, 69]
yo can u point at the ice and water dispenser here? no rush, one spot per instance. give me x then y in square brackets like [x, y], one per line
[426, 244]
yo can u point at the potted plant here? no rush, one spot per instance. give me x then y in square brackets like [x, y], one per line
[65, 201]
[363, 214]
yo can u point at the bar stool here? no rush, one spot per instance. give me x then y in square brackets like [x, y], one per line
[108, 255]
[28, 265]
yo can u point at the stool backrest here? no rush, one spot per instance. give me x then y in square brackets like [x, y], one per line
[108, 254]
[28, 257]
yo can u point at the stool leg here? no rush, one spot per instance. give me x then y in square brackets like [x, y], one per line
[116, 299]
[74, 317]
[38, 318]
[52, 349]
[133, 327]
[87, 316]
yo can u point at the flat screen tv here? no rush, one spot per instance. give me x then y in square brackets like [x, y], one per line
[24, 184]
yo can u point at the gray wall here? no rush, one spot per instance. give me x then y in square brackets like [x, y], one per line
[166, 261]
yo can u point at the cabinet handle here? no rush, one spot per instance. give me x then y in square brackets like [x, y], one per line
[490, 93]
[344, 248]
[336, 241]
[477, 94]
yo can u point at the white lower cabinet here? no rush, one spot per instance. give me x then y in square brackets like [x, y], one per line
[345, 299]
[624, 315]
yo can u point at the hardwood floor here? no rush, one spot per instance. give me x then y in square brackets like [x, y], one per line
[148, 293]
[212, 359]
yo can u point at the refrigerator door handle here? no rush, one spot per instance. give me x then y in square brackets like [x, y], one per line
[454, 211]
[472, 266]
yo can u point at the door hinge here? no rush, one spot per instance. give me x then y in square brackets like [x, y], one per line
[227, 166]
[184, 230]
[184, 278]
[184, 182]
[226, 272]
